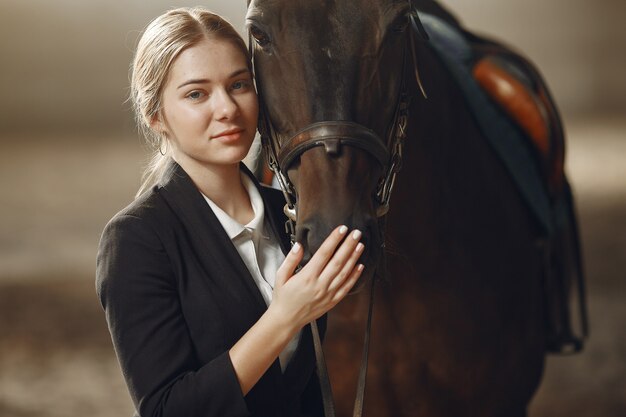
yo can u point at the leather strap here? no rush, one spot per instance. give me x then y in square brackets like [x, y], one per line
[331, 135]
[359, 401]
[322, 373]
[322, 370]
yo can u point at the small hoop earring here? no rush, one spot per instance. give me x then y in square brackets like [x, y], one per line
[161, 151]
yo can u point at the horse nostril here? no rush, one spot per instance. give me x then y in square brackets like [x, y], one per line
[306, 257]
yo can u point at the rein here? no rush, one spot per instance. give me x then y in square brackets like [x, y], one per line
[332, 135]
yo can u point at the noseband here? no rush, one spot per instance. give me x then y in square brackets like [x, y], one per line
[331, 135]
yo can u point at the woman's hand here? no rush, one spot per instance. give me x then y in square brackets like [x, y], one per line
[322, 283]
[297, 300]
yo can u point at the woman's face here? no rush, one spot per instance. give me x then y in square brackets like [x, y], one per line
[209, 105]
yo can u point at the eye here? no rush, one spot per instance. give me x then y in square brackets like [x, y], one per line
[240, 85]
[400, 26]
[195, 95]
[260, 37]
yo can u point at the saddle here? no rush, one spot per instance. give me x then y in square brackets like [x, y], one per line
[514, 85]
[517, 115]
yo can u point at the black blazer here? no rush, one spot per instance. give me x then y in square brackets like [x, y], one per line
[177, 296]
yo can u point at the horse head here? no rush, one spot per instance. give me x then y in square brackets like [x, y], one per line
[330, 75]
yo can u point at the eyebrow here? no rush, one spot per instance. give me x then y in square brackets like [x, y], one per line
[206, 80]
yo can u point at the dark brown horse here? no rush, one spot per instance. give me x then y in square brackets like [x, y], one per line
[459, 324]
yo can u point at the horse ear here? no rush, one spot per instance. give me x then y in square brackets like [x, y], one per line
[416, 23]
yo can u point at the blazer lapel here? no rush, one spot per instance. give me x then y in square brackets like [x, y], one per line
[213, 246]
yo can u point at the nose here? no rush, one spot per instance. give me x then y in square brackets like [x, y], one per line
[225, 106]
[311, 235]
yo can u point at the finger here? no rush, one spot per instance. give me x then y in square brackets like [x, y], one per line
[289, 265]
[344, 289]
[326, 250]
[347, 268]
[338, 261]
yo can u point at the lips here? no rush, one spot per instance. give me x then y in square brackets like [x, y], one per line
[229, 134]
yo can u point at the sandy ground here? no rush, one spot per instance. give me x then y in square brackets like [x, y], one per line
[56, 358]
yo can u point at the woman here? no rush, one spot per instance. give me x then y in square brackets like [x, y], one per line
[206, 314]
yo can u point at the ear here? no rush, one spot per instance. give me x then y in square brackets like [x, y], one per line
[157, 125]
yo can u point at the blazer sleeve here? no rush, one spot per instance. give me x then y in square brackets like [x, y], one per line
[137, 288]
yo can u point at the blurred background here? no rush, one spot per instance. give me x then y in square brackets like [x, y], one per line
[71, 158]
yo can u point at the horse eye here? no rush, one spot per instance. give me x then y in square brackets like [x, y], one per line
[260, 37]
[400, 27]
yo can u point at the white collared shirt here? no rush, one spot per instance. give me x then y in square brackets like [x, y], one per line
[258, 249]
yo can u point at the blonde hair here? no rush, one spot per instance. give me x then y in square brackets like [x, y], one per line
[160, 44]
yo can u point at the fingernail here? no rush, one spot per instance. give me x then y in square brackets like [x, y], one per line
[359, 247]
[296, 247]
[360, 267]
[343, 229]
[356, 235]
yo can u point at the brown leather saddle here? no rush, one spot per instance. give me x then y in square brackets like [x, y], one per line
[515, 86]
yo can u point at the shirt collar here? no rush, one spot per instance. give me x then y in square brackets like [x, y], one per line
[232, 227]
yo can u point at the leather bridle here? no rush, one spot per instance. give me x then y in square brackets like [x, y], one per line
[332, 135]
